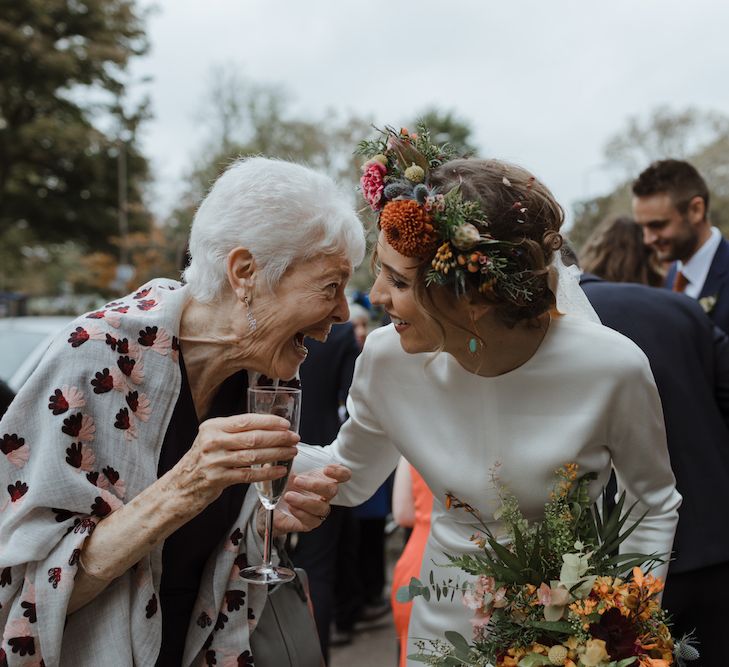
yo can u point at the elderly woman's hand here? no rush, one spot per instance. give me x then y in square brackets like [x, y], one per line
[224, 451]
[308, 496]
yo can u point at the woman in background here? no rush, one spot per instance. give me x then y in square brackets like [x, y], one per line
[615, 251]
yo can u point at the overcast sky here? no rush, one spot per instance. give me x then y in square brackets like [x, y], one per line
[544, 83]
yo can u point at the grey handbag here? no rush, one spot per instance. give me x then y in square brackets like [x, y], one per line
[286, 634]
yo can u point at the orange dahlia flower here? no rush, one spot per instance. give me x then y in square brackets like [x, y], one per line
[408, 228]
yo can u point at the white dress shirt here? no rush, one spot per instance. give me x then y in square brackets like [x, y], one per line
[697, 268]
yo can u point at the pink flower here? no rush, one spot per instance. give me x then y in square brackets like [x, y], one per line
[483, 597]
[554, 599]
[373, 183]
[480, 620]
[500, 598]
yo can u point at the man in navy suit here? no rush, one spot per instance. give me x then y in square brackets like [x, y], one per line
[671, 203]
[689, 357]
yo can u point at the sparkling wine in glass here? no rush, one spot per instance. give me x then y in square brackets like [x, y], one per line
[284, 402]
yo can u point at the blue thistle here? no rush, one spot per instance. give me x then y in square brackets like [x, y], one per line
[685, 649]
[420, 193]
[398, 189]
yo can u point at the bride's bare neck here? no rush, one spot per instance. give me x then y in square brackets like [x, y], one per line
[499, 348]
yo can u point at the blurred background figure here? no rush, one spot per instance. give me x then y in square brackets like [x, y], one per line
[615, 252]
[412, 502]
[326, 375]
[359, 316]
[689, 357]
[671, 204]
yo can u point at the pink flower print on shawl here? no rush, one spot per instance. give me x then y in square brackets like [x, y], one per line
[98, 479]
[155, 338]
[64, 399]
[16, 492]
[139, 405]
[80, 427]
[116, 483]
[15, 448]
[28, 602]
[104, 381]
[82, 334]
[125, 423]
[120, 345]
[81, 457]
[19, 637]
[132, 368]
[104, 504]
[111, 317]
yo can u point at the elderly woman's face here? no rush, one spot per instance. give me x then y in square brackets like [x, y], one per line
[307, 301]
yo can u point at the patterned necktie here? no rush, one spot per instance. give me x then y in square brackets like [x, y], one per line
[680, 282]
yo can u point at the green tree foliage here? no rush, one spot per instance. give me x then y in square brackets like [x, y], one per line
[62, 124]
[447, 128]
[242, 117]
[700, 137]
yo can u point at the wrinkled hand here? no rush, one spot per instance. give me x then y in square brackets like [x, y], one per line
[224, 451]
[308, 496]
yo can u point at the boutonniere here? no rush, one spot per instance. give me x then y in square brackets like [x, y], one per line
[708, 303]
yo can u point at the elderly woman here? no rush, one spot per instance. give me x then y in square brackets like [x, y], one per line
[126, 458]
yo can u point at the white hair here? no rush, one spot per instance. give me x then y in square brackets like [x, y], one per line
[280, 211]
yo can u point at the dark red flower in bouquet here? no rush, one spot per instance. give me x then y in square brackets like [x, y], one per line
[618, 633]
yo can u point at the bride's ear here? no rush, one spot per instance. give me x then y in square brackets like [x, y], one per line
[240, 267]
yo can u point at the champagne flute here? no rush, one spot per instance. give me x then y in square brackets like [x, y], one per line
[284, 402]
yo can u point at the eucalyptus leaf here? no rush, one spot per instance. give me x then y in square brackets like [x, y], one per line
[458, 640]
[551, 626]
[403, 594]
[534, 659]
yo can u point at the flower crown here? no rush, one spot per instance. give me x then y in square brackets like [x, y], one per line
[451, 232]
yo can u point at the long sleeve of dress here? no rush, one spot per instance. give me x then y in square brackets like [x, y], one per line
[643, 469]
[361, 444]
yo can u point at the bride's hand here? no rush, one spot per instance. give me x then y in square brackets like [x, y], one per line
[308, 496]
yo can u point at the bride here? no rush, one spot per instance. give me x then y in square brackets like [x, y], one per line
[480, 370]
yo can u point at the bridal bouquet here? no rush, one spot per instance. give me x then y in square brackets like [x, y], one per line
[559, 594]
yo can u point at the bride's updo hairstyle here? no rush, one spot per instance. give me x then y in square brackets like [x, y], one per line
[520, 211]
[477, 230]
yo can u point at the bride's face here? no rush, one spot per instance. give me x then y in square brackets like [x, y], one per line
[394, 291]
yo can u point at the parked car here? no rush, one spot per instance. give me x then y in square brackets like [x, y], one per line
[23, 342]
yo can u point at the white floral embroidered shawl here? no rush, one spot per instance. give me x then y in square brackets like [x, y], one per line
[82, 437]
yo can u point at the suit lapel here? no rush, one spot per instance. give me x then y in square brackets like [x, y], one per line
[717, 275]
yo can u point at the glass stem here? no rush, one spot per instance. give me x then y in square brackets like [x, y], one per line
[268, 538]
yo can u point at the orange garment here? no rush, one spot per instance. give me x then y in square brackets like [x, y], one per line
[411, 559]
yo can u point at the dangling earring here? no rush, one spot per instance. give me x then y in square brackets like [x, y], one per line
[249, 314]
